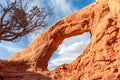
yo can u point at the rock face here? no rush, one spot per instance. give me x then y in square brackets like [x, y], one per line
[12, 71]
[99, 61]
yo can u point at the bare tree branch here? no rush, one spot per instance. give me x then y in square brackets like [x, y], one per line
[15, 22]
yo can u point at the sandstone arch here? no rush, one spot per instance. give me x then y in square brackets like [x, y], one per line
[99, 61]
[38, 53]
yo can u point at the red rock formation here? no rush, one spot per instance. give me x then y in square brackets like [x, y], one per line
[38, 53]
[99, 61]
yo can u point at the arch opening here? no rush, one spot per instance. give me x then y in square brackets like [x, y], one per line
[69, 50]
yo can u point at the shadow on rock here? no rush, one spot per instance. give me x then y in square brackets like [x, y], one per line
[13, 71]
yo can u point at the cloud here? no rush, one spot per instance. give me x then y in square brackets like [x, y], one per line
[69, 50]
[31, 36]
[33, 3]
[10, 48]
[74, 48]
[62, 7]
[67, 54]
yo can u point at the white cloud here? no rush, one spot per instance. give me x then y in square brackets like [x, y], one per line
[11, 49]
[32, 36]
[33, 3]
[69, 50]
[62, 6]
[66, 54]
[73, 48]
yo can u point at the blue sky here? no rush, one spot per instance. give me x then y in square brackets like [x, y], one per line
[69, 49]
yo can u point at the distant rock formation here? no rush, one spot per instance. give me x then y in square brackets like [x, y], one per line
[99, 61]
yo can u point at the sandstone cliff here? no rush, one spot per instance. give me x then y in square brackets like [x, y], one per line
[99, 61]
